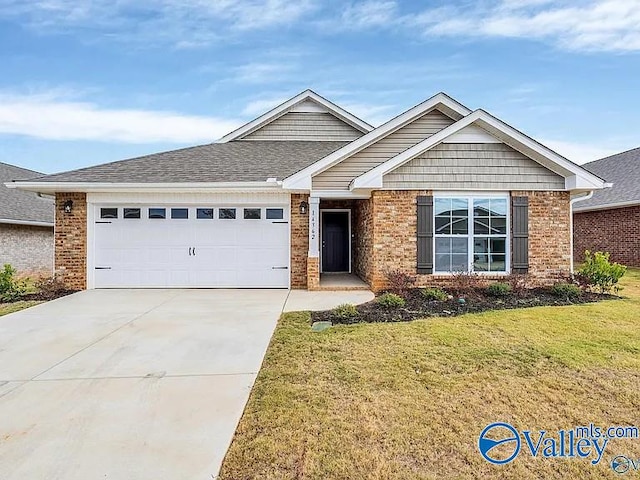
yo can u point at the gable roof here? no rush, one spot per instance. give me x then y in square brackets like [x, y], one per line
[440, 101]
[623, 170]
[308, 96]
[238, 161]
[18, 207]
[576, 177]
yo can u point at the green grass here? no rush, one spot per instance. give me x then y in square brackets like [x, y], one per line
[6, 308]
[408, 400]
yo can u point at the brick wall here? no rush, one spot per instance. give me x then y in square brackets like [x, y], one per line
[616, 231]
[299, 242]
[71, 240]
[29, 249]
[394, 236]
[363, 245]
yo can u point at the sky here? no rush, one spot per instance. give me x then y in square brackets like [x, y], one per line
[84, 82]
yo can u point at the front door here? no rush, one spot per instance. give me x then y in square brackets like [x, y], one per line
[335, 241]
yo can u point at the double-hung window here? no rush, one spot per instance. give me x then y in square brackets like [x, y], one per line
[471, 234]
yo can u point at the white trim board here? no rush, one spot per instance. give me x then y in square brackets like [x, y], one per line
[575, 176]
[440, 101]
[303, 102]
[32, 223]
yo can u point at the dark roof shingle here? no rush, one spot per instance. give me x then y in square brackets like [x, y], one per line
[623, 170]
[237, 161]
[19, 205]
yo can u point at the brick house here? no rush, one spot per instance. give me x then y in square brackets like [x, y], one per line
[609, 220]
[310, 196]
[26, 225]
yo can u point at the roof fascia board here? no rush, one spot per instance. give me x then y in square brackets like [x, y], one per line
[33, 223]
[606, 206]
[441, 101]
[575, 176]
[283, 108]
[53, 187]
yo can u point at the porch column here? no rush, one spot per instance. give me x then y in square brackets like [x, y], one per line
[314, 227]
[313, 262]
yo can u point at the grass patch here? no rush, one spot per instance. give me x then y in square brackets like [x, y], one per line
[6, 308]
[408, 400]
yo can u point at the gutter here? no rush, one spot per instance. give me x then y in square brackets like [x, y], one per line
[577, 199]
[33, 223]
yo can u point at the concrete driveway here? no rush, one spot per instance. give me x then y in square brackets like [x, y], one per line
[129, 384]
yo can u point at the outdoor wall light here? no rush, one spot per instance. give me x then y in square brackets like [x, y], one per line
[304, 206]
[68, 206]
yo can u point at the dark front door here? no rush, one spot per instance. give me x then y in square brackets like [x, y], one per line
[335, 241]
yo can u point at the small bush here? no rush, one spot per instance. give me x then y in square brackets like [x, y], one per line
[11, 289]
[499, 289]
[435, 294]
[598, 273]
[466, 283]
[390, 300]
[50, 287]
[345, 310]
[399, 282]
[519, 282]
[566, 290]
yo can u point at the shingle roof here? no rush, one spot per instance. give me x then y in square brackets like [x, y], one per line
[623, 170]
[19, 205]
[238, 161]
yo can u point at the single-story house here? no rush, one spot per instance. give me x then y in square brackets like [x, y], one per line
[308, 190]
[26, 224]
[609, 220]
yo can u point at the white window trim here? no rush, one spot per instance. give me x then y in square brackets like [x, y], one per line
[470, 236]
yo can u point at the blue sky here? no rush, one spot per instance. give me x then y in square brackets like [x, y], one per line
[85, 82]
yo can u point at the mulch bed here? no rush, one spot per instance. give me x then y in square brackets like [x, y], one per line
[475, 301]
[47, 296]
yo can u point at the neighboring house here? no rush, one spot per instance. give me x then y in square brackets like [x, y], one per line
[26, 224]
[308, 190]
[610, 220]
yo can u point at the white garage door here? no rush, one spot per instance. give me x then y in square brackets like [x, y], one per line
[191, 246]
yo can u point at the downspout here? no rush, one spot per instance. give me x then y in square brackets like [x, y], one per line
[577, 199]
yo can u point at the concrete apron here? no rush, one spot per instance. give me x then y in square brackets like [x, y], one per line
[129, 384]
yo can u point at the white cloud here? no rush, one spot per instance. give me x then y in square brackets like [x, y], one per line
[369, 14]
[373, 114]
[589, 25]
[50, 117]
[262, 72]
[580, 152]
[182, 23]
[258, 107]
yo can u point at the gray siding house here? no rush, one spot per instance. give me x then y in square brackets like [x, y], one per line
[26, 224]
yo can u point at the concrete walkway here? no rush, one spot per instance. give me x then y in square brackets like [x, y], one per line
[129, 384]
[324, 300]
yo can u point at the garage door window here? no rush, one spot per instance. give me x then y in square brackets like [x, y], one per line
[227, 214]
[179, 213]
[108, 213]
[204, 213]
[275, 213]
[252, 214]
[157, 213]
[131, 213]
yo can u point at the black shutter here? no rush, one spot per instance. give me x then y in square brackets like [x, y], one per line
[520, 234]
[425, 234]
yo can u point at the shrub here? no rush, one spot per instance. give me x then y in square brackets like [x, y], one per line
[499, 289]
[435, 294]
[519, 282]
[50, 287]
[345, 310]
[399, 282]
[598, 273]
[565, 289]
[11, 289]
[465, 283]
[390, 300]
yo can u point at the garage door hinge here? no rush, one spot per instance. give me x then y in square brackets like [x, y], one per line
[279, 222]
[279, 268]
[103, 268]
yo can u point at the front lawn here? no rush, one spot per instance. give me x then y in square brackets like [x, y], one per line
[6, 308]
[408, 400]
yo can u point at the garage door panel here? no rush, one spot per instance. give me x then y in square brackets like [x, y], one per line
[196, 252]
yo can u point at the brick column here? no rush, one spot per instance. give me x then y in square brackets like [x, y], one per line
[71, 240]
